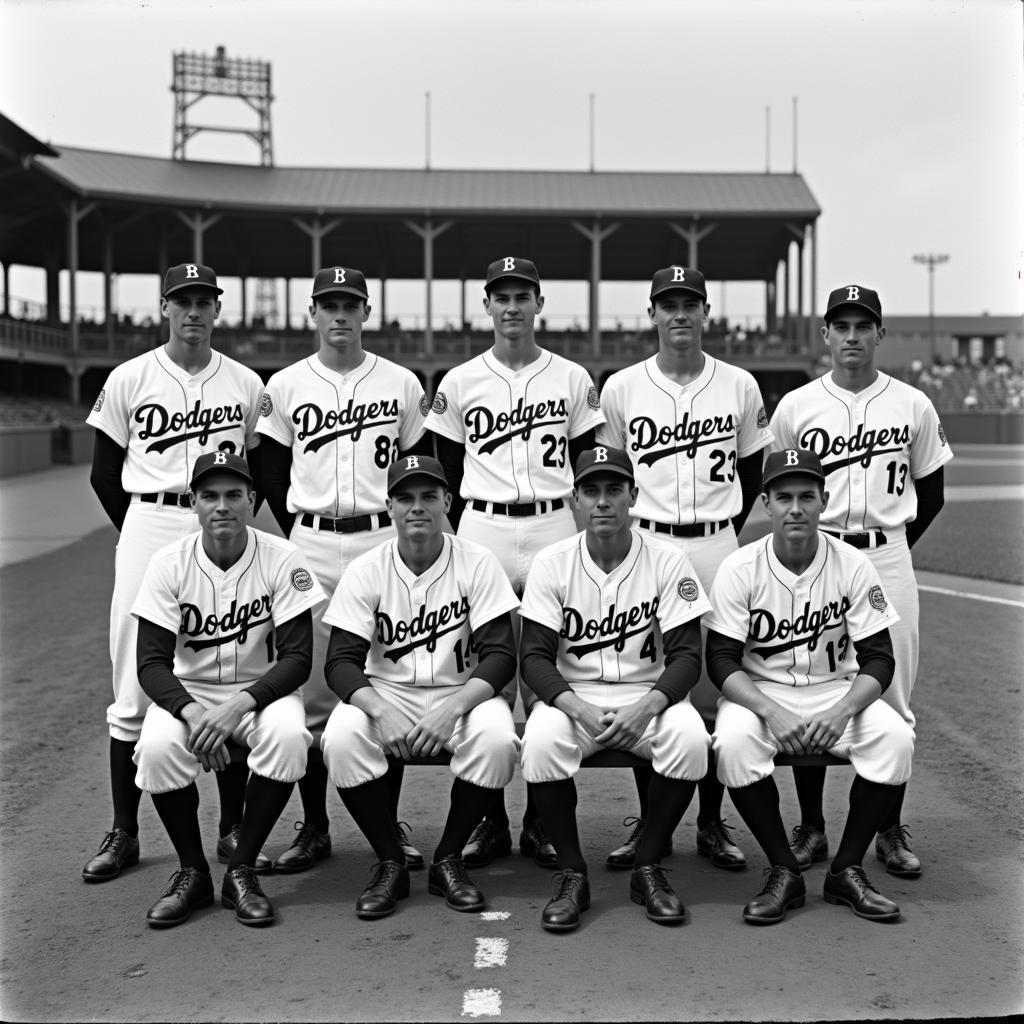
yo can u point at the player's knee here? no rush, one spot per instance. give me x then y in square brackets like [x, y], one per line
[681, 750]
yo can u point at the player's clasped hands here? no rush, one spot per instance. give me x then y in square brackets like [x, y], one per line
[824, 730]
[788, 729]
[433, 730]
[211, 728]
[624, 726]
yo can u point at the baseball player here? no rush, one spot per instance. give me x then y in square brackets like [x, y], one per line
[883, 449]
[225, 640]
[157, 413]
[421, 647]
[694, 428]
[509, 426]
[611, 645]
[331, 426]
[798, 642]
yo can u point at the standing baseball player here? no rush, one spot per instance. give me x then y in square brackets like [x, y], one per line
[883, 449]
[332, 424]
[157, 413]
[420, 650]
[611, 645]
[225, 639]
[798, 641]
[509, 425]
[694, 428]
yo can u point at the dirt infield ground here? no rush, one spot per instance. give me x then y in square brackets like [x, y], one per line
[77, 952]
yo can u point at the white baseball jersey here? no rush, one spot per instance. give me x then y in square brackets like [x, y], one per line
[684, 440]
[516, 424]
[420, 627]
[224, 618]
[344, 430]
[610, 625]
[799, 630]
[873, 445]
[166, 418]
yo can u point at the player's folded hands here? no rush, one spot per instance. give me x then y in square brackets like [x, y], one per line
[787, 728]
[393, 727]
[824, 731]
[429, 736]
[626, 727]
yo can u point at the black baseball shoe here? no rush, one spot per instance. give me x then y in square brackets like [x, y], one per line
[852, 887]
[448, 878]
[308, 847]
[118, 850]
[781, 890]
[892, 847]
[241, 893]
[389, 884]
[188, 890]
[571, 896]
[486, 842]
[808, 845]
[649, 887]
[714, 842]
[413, 857]
[534, 842]
[226, 848]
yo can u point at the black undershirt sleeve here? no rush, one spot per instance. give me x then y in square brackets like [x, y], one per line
[724, 656]
[495, 645]
[293, 643]
[345, 665]
[452, 457]
[275, 478]
[931, 497]
[105, 477]
[154, 653]
[424, 446]
[750, 470]
[578, 445]
[875, 657]
[682, 661]
[538, 649]
[252, 456]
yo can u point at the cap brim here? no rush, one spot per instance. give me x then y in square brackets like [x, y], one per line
[791, 471]
[220, 469]
[510, 277]
[603, 467]
[340, 288]
[874, 314]
[192, 284]
[416, 472]
[679, 288]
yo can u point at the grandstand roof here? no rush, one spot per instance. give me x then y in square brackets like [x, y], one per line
[121, 176]
[16, 143]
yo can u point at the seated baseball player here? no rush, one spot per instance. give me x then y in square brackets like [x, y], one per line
[799, 645]
[225, 642]
[611, 646]
[420, 650]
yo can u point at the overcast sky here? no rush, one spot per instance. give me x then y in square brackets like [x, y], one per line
[910, 111]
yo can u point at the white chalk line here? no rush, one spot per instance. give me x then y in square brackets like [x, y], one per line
[495, 915]
[490, 952]
[481, 1002]
[970, 596]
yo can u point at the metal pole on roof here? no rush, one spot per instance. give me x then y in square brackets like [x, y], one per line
[931, 260]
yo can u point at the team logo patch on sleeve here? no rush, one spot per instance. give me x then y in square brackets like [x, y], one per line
[762, 418]
[266, 404]
[592, 399]
[103, 394]
[688, 589]
[425, 405]
[440, 403]
[877, 599]
[301, 579]
[942, 433]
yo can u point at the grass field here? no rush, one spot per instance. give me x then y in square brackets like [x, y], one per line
[980, 539]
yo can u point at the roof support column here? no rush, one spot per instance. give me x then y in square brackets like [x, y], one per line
[53, 290]
[7, 288]
[770, 303]
[108, 273]
[693, 235]
[74, 216]
[786, 323]
[243, 281]
[317, 231]
[428, 232]
[596, 234]
[796, 330]
[198, 223]
[383, 303]
[813, 315]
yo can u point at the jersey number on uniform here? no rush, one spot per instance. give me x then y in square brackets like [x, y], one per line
[650, 648]
[830, 650]
[464, 656]
[553, 445]
[385, 451]
[899, 473]
[721, 458]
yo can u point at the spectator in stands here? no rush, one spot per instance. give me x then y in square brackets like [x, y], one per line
[971, 399]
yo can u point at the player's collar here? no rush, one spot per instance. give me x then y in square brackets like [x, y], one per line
[664, 381]
[163, 357]
[431, 573]
[494, 363]
[786, 575]
[623, 568]
[879, 384]
[208, 565]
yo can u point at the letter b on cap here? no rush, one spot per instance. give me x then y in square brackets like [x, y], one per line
[853, 293]
[412, 462]
[339, 275]
[600, 454]
[678, 274]
[191, 270]
[792, 458]
[510, 263]
[220, 458]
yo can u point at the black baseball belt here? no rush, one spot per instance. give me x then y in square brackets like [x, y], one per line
[354, 524]
[167, 498]
[871, 539]
[690, 530]
[526, 508]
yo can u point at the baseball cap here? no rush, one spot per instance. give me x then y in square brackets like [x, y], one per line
[219, 462]
[340, 279]
[512, 266]
[854, 295]
[790, 461]
[189, 275]
[415, 465]
[603, 460]
[676, 278]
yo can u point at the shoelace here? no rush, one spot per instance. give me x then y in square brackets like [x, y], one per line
[178, 882]
[655, 875]
[115, 841]
[455, 870]
[859, 878]
[383, 872]
[772, 881]
[402, 830]
[307, 834]
[721, 831]
[899, 836]
[638, 827]
[566, 884]
[480, 832]
[803, 835]
[245, 879]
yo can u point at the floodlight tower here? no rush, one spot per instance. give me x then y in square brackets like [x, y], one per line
[931, 260]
